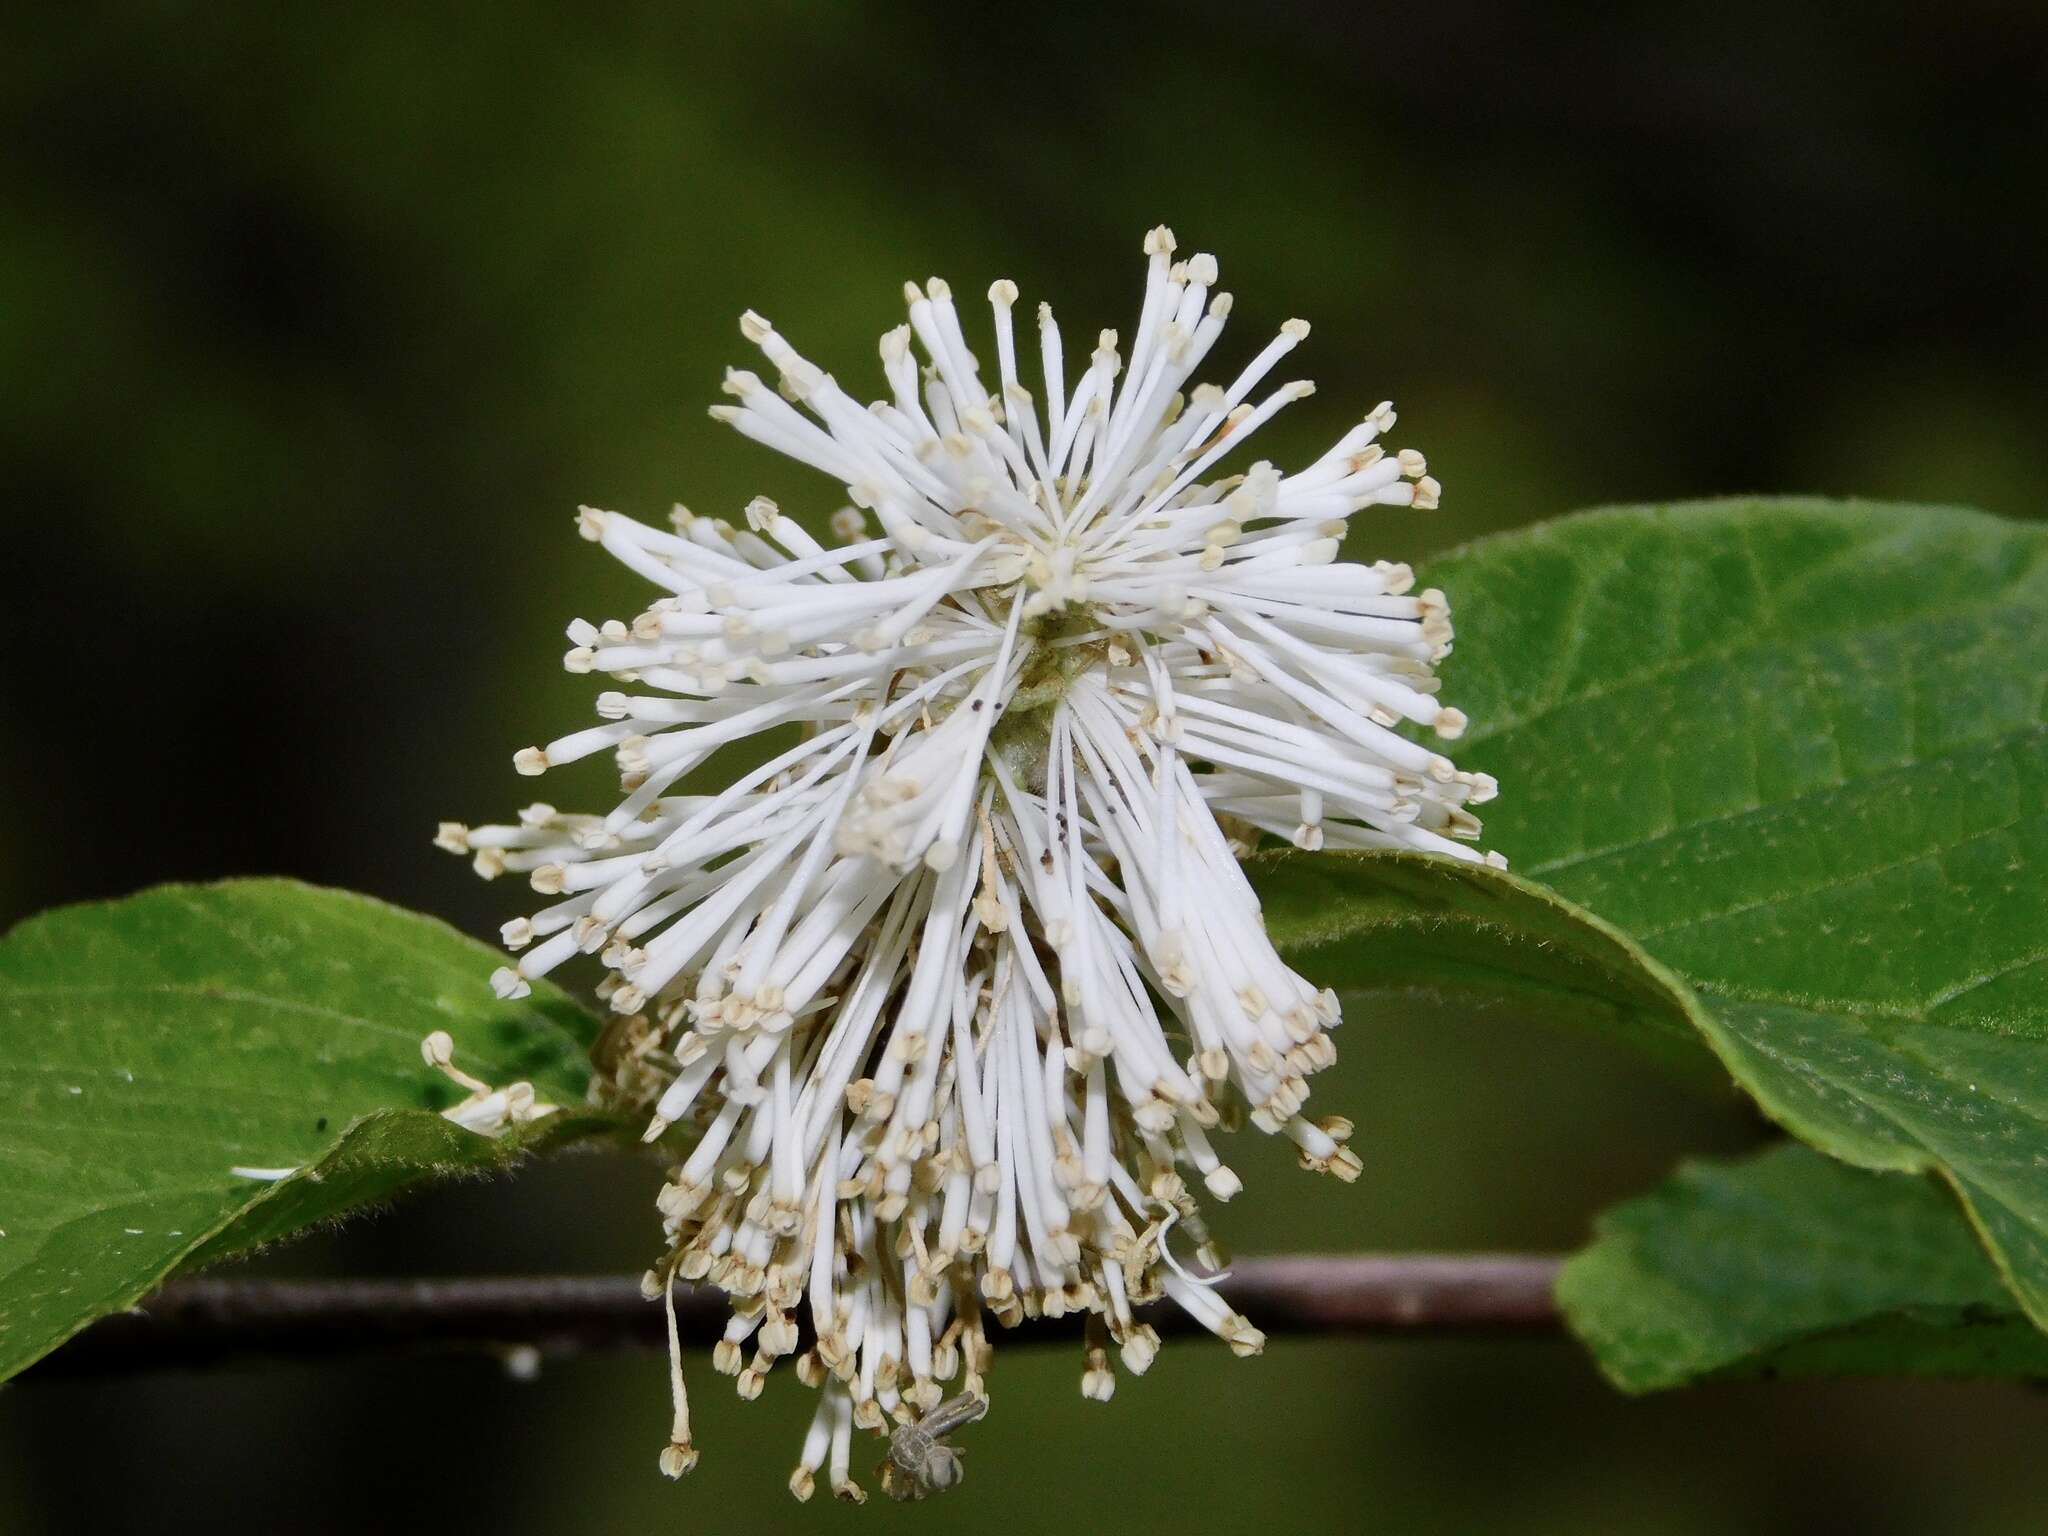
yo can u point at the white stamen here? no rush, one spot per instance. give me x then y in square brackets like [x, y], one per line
[952, 992]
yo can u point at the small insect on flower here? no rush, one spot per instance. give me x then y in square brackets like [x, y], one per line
[919, 1461]
[952, 990]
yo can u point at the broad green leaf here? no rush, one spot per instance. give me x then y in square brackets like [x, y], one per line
[1795, 750]
[1789, 1262]
[162, 1058]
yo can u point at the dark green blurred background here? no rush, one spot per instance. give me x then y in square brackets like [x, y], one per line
[317, 322]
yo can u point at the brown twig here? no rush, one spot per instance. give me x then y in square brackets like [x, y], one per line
[205, 1321]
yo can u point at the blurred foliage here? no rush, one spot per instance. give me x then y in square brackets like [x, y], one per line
[319, 321]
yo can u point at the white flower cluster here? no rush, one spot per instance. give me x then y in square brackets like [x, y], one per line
[953, 988]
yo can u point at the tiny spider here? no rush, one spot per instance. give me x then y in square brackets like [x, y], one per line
[919, 1463]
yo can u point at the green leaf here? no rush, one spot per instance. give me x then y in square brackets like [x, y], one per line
[150, 1048]
[1796, 751]
[1402, 924]
[1788, 1263]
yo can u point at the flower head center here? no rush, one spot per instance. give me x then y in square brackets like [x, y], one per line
[1056, 576]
